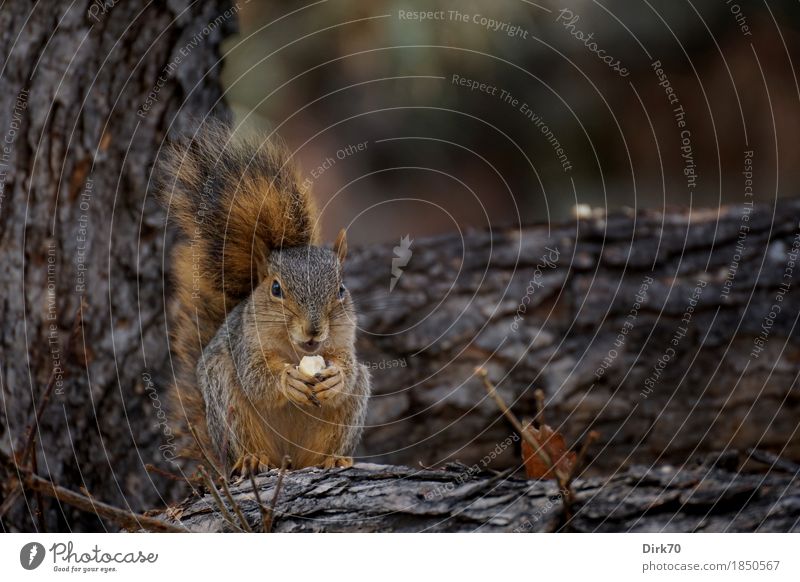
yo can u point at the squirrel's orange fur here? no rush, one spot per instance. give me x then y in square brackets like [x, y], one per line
[233, 202]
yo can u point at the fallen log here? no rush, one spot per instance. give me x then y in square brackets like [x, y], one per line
[648, 327]
[383, 498]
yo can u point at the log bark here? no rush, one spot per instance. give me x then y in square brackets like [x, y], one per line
[685, 369]
[380, 498]
[89, 92]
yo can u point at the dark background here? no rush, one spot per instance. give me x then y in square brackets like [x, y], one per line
[327, 75]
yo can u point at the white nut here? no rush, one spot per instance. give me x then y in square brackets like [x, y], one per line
[311, 365]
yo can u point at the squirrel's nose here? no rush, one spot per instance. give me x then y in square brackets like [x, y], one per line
[311, 344]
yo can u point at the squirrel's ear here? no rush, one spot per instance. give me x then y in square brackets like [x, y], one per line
[340, 246]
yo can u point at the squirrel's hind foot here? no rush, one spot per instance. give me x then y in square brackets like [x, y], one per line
[335, 461]
[251, 464]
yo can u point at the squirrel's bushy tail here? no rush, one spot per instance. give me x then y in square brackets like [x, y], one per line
[233, 202]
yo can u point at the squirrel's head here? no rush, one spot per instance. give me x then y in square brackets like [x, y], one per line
[302, 292]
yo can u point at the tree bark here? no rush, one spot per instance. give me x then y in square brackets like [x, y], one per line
[89, 92]
[662, 379]
[401, 499]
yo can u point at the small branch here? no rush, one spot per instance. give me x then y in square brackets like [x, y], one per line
[212, 489]
[38, 495]
[262, 509]
[538, 394]
[490, 388]
[236, 508]
[122, 517]
[12, 489]
[210, 462]
[563, 480]
[205, 477]
[285, 464]
[590, 439]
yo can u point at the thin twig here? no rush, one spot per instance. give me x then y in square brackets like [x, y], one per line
[562, 479]
[22, 456]
[126, 519]
[236, 508]
[13, 489]
[285, 464]
[38, 494]
[261, 508]
[538, 395]
[210, 462]
[212, 489]
[590, 439]
[525, 434]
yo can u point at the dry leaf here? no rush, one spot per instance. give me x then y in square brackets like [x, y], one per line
[555, 449]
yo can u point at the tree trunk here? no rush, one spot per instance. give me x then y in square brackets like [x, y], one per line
[89, 92]
[685, 369]
[402, 499]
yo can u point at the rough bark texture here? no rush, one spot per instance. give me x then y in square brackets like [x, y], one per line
[378, 498]
[82, 116]
[454, 306]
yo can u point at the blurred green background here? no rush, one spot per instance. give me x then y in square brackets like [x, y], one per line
[437, 156]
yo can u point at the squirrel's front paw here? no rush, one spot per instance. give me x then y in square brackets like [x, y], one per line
[251, 464]
[297, 388]
[330, 382]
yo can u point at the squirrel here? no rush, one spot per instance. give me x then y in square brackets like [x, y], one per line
[254, 294]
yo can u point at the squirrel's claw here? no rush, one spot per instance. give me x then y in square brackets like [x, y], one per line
[251, 464]
[331, 386]
[329, 371]
[296, 388]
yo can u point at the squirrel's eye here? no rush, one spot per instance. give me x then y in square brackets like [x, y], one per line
[276, 289]
[342, 291]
